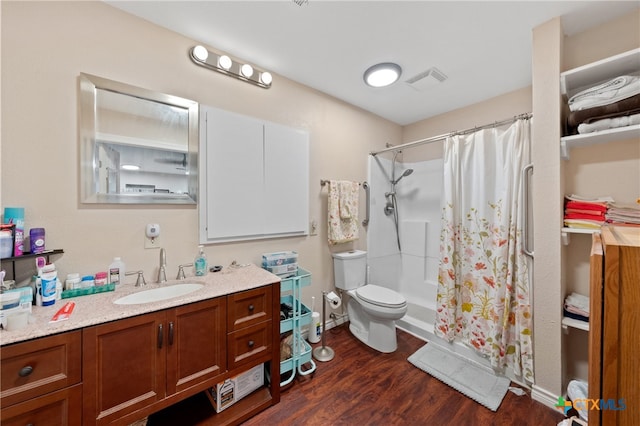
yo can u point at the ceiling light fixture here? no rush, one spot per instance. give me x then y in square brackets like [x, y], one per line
[381, 75]
[225, 65]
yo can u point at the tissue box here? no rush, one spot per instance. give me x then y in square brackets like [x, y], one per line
[232, 390]
[279, 258]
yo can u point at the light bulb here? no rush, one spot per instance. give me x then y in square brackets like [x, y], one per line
[246, 70]
[200, 53]
[224, 62]
[266, 78]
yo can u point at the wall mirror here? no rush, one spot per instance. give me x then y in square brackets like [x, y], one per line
[137, 146]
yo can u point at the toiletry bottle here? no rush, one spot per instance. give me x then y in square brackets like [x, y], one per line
[49, 280]
[200, 262]
[72, 282]
[116, 271]
[100, 279]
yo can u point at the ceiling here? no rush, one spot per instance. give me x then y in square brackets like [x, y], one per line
[484, 48]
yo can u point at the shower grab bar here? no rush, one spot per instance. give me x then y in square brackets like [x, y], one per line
[367, 191]
[526, 184]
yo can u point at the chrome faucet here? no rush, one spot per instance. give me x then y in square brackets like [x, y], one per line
[162, 272]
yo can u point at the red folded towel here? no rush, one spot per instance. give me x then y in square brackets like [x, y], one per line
[585, 211]
[586, 205]
[585, 216]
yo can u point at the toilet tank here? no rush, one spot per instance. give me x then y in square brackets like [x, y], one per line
[350, 269]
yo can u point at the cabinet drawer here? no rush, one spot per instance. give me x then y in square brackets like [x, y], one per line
[248, 344]
[33, 368]
[63, 407]
[248, 308]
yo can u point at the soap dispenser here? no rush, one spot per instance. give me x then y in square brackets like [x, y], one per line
[200, 262]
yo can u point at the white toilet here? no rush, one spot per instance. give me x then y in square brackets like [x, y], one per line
[372, 309]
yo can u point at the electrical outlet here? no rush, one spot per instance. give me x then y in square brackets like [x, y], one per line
[151, 243]
[313, 227]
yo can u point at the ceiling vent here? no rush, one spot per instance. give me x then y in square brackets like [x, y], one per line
[426, 79]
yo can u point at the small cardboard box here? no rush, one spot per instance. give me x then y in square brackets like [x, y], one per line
[232, 390]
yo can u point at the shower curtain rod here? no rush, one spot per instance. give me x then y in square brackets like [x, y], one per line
[515, 118]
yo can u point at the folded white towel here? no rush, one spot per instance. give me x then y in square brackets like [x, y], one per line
[579, 301]
[611, 91]
[609, 123]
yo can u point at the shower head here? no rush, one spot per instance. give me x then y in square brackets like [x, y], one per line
[406, 173]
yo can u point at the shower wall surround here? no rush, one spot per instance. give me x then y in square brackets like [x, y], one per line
[414, 271]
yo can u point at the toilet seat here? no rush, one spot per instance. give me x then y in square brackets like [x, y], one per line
[380, 296]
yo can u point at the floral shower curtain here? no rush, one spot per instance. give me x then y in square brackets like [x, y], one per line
[483, 278]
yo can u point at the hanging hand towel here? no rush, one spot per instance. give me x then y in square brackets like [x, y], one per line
[343, 211]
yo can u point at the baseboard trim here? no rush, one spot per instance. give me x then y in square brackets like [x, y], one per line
[330, 324]
[543, 396]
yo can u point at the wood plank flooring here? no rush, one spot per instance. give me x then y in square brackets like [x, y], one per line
[363, 387]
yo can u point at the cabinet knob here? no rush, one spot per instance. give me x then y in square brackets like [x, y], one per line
[25, 371]
[251, 308]
[251, 343]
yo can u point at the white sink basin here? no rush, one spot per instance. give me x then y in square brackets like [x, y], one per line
[158, 294]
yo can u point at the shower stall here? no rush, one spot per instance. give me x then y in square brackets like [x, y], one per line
[403, 238]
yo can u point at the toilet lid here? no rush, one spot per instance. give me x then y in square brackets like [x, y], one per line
[380, 296]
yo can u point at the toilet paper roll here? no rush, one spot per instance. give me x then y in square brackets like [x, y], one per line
[334, 300]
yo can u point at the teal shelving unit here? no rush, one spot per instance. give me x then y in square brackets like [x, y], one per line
[290, 293]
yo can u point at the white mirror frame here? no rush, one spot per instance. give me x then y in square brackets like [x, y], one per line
[89, 193]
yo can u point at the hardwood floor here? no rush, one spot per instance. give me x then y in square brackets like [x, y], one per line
[363, 387]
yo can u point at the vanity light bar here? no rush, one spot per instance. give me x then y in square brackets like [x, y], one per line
[225, 65]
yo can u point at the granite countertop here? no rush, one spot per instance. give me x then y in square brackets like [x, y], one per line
[99, 308]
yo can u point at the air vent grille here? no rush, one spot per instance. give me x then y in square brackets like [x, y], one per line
[428, 78]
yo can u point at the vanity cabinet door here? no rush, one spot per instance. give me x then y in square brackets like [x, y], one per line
[196, 344]
[124, 366]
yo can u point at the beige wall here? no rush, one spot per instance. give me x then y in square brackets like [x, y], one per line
[46, 45]
[495, 109]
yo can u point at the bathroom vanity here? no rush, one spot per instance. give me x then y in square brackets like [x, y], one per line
[115, 364]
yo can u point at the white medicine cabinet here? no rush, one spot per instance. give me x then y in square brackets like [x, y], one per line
[254, 179]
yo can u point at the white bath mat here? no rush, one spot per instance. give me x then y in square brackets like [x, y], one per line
[477, 383]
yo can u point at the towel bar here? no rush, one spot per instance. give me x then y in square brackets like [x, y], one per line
[323, 182]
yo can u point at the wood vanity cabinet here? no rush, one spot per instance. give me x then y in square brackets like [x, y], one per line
[137, 366]
[124, 370]
[614, 329]
[131, 364]
[40, 381]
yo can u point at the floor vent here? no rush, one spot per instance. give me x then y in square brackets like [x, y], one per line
[426, 79]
